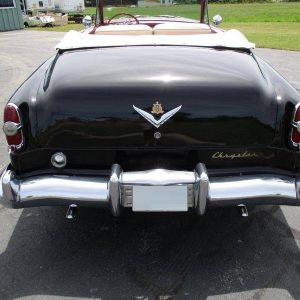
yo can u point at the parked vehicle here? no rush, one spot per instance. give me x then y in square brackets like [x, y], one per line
[31, 21]
[46, 20]
[153, 114]
[42, 20]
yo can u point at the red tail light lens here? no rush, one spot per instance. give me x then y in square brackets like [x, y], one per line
[11, 114]
[13, 127]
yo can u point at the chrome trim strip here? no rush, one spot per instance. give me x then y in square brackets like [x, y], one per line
[157, 123]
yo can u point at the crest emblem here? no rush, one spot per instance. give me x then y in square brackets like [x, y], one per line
[157, 108]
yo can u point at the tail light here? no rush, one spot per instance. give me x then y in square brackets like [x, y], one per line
[12, 127]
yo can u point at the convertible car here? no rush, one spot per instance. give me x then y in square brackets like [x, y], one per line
[153, 114]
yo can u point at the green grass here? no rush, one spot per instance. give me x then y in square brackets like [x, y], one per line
[276, 35]
[257, 12]
[248, 12]
[269, 25]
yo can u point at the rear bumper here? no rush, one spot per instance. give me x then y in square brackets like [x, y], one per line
[116, 190]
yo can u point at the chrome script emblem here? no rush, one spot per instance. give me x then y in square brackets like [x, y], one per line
[157, 108]
[157, 122]
[224, 155]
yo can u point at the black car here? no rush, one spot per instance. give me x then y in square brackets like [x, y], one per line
[153, 114]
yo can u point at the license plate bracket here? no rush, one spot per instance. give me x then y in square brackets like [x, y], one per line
[160, 198]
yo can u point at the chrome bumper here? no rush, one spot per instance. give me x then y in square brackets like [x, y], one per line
[115, 191]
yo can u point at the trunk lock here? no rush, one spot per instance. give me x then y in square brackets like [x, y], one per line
[157, 135]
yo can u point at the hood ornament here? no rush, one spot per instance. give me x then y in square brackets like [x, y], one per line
[157, 109]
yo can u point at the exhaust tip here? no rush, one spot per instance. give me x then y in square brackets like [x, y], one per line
[243, 210]
[71, 212]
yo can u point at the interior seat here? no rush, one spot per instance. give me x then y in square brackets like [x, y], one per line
[138, 29]
[181, 29]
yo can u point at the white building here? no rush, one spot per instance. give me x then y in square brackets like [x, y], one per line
[58, 5]
[69, 5]
[39, 4]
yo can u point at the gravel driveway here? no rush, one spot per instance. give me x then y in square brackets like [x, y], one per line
[157, 256]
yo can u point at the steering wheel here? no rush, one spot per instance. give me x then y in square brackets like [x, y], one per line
[123, 14]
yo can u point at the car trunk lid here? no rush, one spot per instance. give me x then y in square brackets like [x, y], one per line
[88, 96]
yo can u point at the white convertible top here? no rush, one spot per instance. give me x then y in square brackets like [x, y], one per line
[228, 39]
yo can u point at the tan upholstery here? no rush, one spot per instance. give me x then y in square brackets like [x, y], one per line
[124, 30]
[181, 29]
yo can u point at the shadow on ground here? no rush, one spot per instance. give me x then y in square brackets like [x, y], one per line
[140, 256]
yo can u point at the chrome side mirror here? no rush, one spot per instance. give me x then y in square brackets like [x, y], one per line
[217, 20]
[87, 21]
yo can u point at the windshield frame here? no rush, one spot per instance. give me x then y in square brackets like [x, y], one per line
[99, 20]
